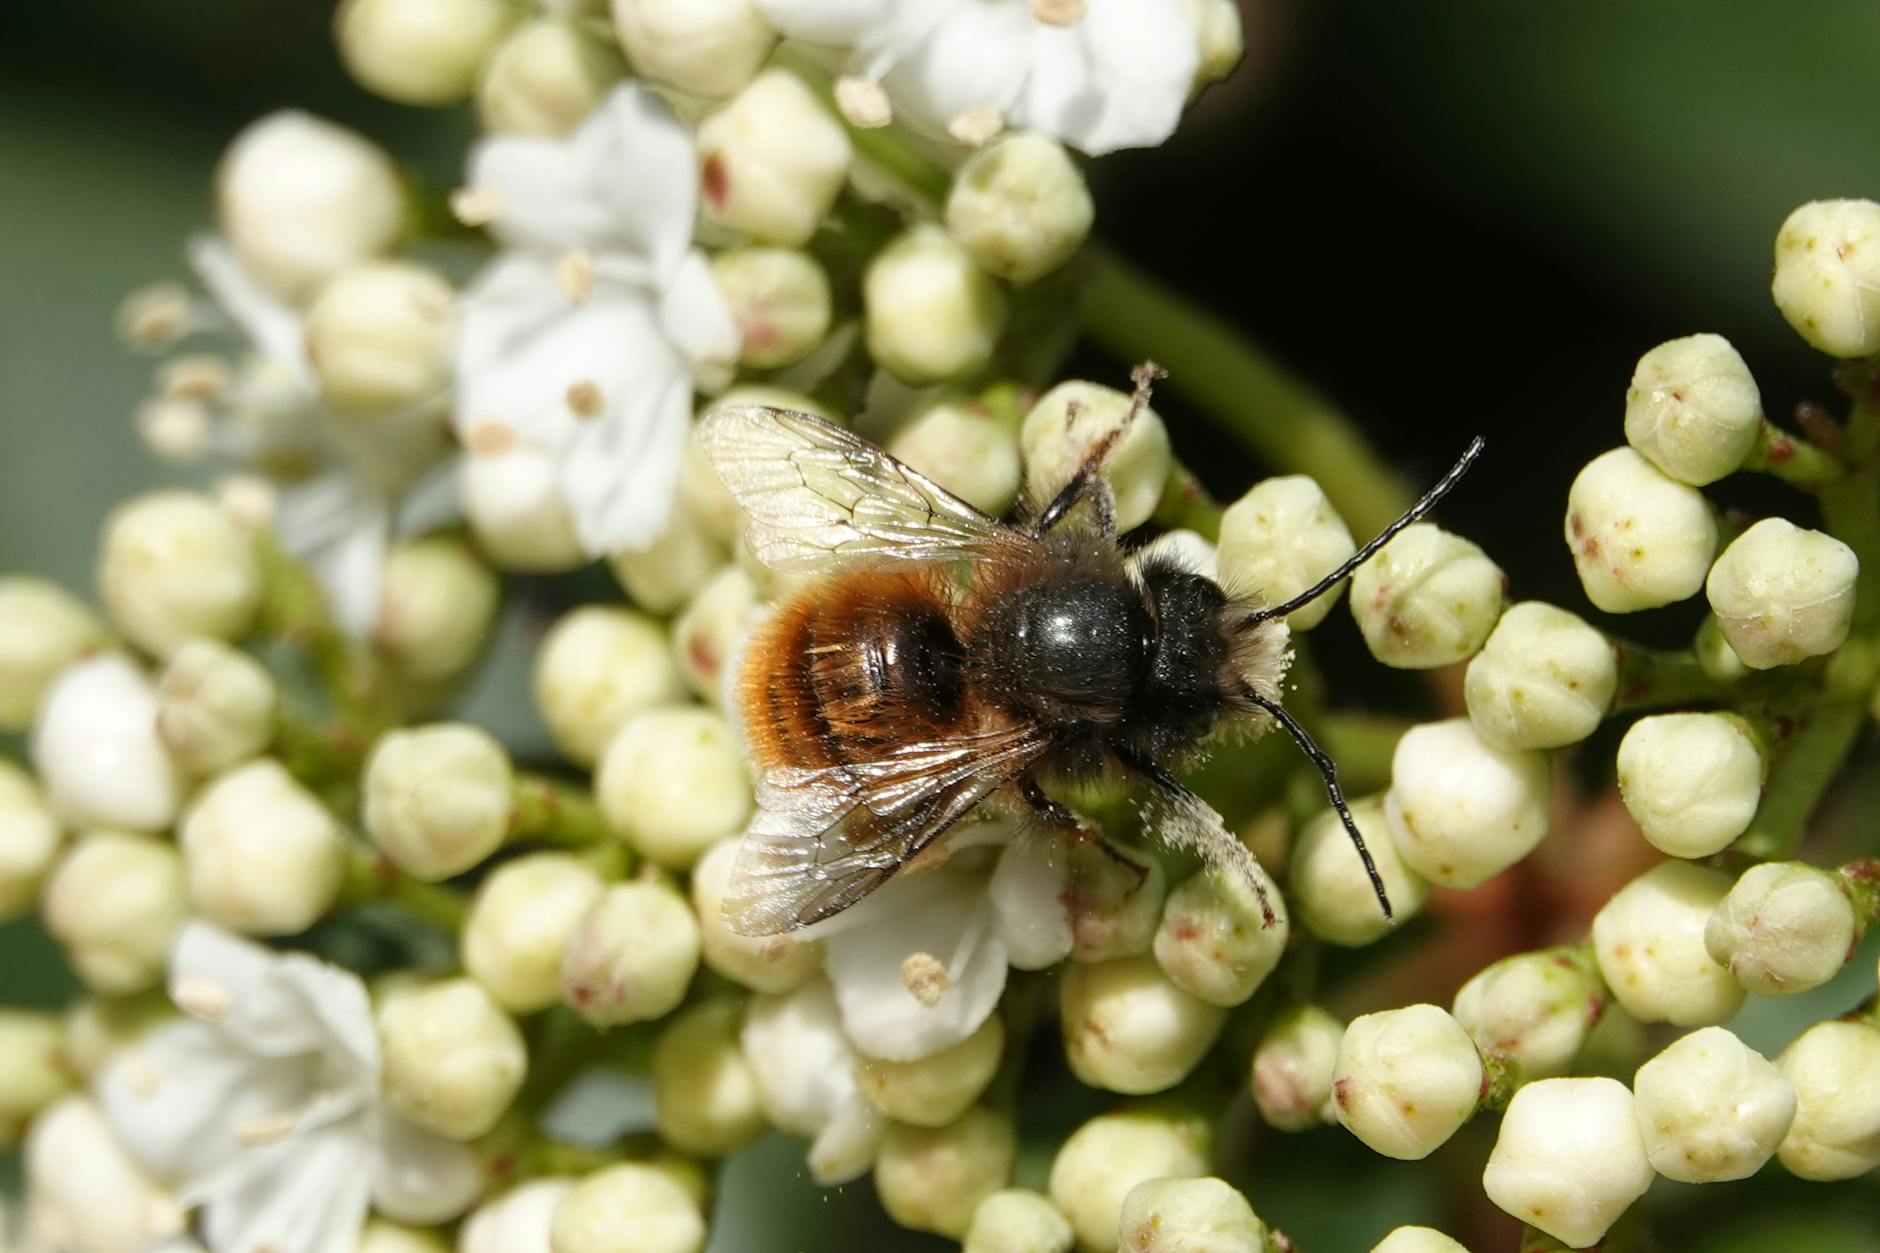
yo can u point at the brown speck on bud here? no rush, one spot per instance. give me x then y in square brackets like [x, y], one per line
[977, 127]
[925, 978]
[574, 274]
[863, 102]
[584, 398]
[475, 206]
[714, 180]
[490, 439]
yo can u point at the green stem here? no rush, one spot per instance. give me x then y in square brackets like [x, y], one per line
[1792, 459]
[1861, 881]
[294, 611]
[320, 753]
[1806, 765]
[553, 812]
[1651, 678]
[1186, 505]
[372, 878]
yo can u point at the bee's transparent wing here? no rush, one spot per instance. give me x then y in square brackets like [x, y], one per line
[825, 838]
[816, 493]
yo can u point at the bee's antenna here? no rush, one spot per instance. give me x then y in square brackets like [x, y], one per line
[1326, 584]
[1329, 772]
[1144, 377]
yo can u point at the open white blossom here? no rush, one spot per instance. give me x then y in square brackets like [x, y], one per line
[263, 1105]
[805, 1070]
[583, 340]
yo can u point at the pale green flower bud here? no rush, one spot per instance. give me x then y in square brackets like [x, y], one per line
[115, 902]
[1014, 1220]
[1405, 1080]
[1418, 1240]
[772, 160]
[708, 634]
[934, 1178]
[216, 707]
[1328, 885]
[1104, 1160]
[438, 609]
[931, 313]
[675, 567]
[1128, 1029]
[1544, 679]
[1069, 421]
[632, 956]
[264, 855]
[513, 502]
[96, 750]
[438, 798]
[1293, 1069]
[1569, 1158]
[598, 666]
[545, 79]
[1429, 598]
[779, 298]
[1218, 38]
[1784, 927]
[1212, 942]
[1020, 206]
[1783, 594]
[87, 1194]
[1281, 538]
[1639, 538]
[175, 566]
[33, 1072]
[672, 783]
[46, 630]
[1827, 275]
[934, 1090]
[1532, 1009]
[1714, 655]
[629, 1208]
[380, 1236]
[1113, 899]
[702, 47]
[29, 840]
[965, 450]
[519, 925]
[516, 1221]
[1835, 1070]
[426, 52]
[1711, 1108]
[770, 963]
[1691, 781]
[453, 1059]
[705, 1095]
[381, 335]
[1693, 409]
[1205, 1215]
[1649, 939]
[1460, 810]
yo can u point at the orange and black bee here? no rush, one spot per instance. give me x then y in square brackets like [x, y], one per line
[946, 658]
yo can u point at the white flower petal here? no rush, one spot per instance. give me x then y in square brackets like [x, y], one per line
[977, 58]
[1117, 79]
[308, 1195]
[1028, 894]
[698, 320]
[836, 23]
[419, 1177]
[619, 473]
[804, 1065]
[338, 528]
[274, 327]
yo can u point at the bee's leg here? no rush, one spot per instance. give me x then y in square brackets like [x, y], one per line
[1189, 822]
[1050, 812]
[1089, 480]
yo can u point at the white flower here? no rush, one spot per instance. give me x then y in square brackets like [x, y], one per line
[1101, 75]
[805, 1073]
[263, 1106]
[584, 339]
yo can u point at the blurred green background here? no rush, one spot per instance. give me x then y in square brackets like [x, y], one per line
[1452, 215]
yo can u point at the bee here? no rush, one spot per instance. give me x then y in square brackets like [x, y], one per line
[944, 658]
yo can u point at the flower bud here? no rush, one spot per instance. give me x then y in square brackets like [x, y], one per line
[1784, 927]
[1069, 421]
[1827, 275]
[1428, 598]
[705, 1094]
[438, 798]
[1649, 939]
[934, 1090]
[87, 1194]
[1103, 1161]
[1691, 781]
[176, 429]
[1212, 942]
[47, 630]
[632, 957]
[33, 1069]
[175, 566]
[1569, 1158]
[29, 840]
[702, 47]
[381, 335]
[115, 902]
[1015, 1220]
[779, 298]
[597, 667]
[516, 1221]
[931, 313]
[1020, 206]
[512, 499]
[771, 161]
[264, 856]
[426, 52]
[934, 1178]
[1834, 1068]
[1113, 898]
[706, 636]
[1181, 1215]
[380, 1236]
[1693, 409]
[672, 783]
[770, 963]
[675, 567]
[1128, 1029]
[964, 449]
[519, 924]
[301, 199]
[1460, 810]
[1294, 1066]
[96, 750]
[1711, 1108]
[438, 610]
[1544, 679]
[629, 1208]
[1328, 885]
[453, 1059]
[216, 707]
[1783, 594]
[545, 78]
[1218, 38]
[1281, 538]
[1405, 1080]
[1533, 1009]
[1639, 538]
